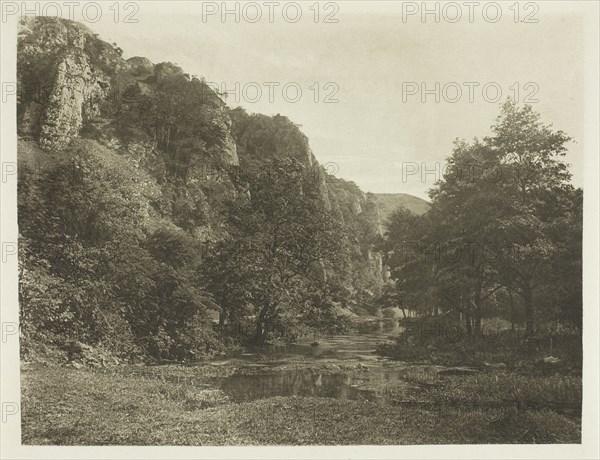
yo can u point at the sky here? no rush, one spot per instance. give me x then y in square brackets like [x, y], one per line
[362, 78]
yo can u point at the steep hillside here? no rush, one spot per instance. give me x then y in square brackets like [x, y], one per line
[135, 176]
[389, 202]
[260, 137]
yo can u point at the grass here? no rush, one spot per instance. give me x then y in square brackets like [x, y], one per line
[495, 390]
[178, 405]
[507, 347]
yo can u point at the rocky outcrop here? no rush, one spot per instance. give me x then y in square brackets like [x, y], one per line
[75, 96]
[189, 143]
[229, 150]
[260, 138]
[70, 80]
[62, 82]
[361, 214]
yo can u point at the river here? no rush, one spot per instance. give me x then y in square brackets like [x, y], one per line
[335, 368]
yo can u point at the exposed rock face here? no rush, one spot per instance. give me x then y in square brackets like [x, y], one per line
[361, 214]
[70, 79]
[260, 138]
[75, 96]
[60, 85]
[90, 91]
[230, 150]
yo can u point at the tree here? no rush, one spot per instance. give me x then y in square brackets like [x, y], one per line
[463, 214]
[411, 267]
[283, 242]
[534, 180]
[93, 271]
[504, 220]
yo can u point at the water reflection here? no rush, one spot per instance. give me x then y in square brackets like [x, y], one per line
[305, 382]
[361, 345]
[302, 382]
[313, 382]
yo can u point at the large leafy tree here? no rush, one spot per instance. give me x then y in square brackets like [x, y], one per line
[283, 245]
[463, 214]
[533, 192]
[504, 219]
[405, 252]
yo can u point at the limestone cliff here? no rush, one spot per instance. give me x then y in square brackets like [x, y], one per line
[61, 85]
[171, 126]
[260, 137]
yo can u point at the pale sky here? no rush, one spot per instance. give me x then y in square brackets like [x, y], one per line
[370, 56]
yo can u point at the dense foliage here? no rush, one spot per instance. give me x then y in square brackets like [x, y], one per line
[100, 266]
[503, 235]
[151, 209]
[157, 222]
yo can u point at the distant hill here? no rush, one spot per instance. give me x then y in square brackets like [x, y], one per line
[388, 202]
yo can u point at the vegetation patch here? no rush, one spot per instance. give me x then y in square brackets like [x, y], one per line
[84, 407]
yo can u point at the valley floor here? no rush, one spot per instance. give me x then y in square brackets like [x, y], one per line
[186, 405]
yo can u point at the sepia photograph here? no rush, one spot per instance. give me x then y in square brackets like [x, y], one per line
[355, 226]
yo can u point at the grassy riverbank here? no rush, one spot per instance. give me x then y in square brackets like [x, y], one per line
[176, 405]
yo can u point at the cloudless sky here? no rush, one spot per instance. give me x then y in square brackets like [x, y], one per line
[369, 56]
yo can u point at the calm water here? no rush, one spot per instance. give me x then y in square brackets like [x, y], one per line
[361, 345]
[303, 382]
[311, 381]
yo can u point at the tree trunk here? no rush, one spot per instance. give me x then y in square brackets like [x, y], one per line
[478, 305]
[468, 325]
[477, 314]
[223, 312]
[529, 313]
[259, 335]
[261, 332]
[466, 314]
[512, 310]
[477, 325]
[222, 317]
